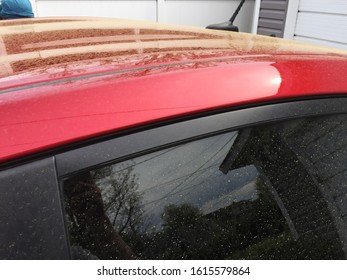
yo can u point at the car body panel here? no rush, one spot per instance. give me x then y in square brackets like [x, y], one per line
[61, 83]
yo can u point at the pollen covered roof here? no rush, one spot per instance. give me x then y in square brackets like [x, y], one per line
[50, 45]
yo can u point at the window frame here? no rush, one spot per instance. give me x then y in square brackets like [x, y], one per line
[34, 187]
[125, 146]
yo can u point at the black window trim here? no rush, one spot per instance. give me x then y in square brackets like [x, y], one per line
[135, 144]
[36, 186]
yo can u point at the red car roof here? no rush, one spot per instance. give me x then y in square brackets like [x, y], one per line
[67, 79]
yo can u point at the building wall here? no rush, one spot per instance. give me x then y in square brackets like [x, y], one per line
[193, 12]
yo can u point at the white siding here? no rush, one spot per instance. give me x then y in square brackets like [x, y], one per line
[141, 10]
[193, 12]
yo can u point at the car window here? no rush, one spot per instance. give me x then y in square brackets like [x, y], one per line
[274, 191]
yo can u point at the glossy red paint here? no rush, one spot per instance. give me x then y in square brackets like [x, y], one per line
[48, 106]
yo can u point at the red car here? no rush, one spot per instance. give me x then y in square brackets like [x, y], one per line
[132, 140]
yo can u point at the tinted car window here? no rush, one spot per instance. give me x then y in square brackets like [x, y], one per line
[267, 192]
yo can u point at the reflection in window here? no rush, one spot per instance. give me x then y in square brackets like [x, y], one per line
[268, 192]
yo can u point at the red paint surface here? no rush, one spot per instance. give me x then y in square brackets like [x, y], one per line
[47, 116]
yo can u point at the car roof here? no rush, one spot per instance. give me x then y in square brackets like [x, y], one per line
[63, 80]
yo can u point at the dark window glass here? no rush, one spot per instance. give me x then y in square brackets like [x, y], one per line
[268, 192]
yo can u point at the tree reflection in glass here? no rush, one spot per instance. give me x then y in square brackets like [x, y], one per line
[249, 194]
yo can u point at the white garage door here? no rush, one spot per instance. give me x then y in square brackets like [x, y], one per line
[322, 22]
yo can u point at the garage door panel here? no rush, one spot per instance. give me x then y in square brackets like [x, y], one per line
[319, 42]
[322, 26]
[324, 6]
